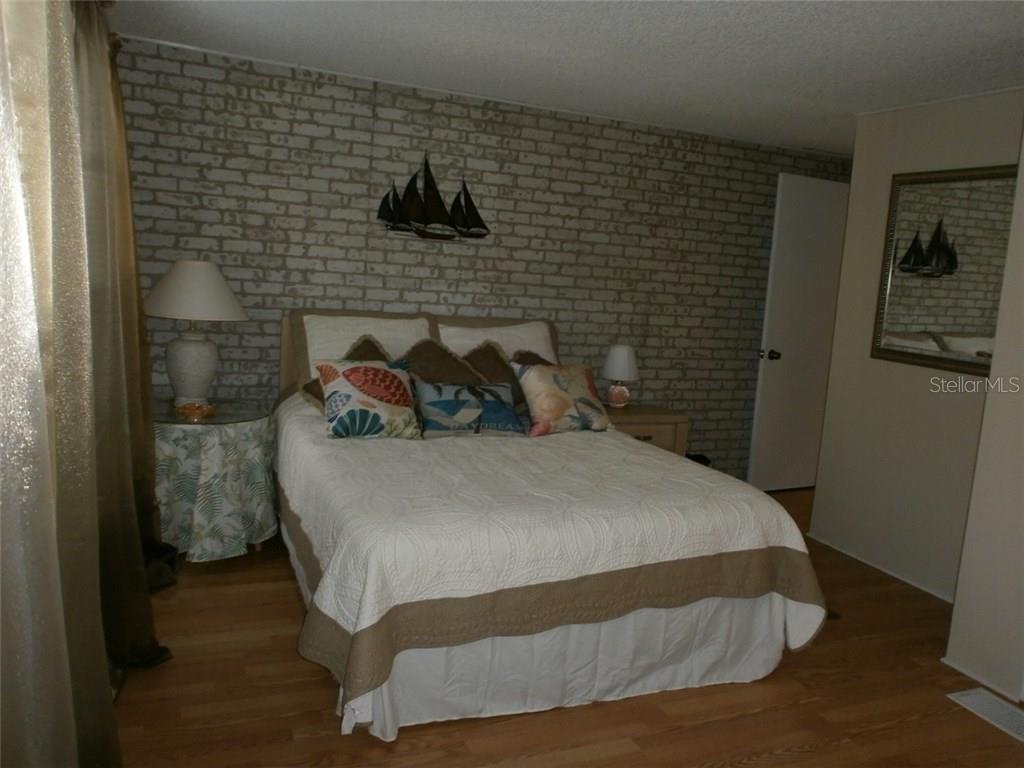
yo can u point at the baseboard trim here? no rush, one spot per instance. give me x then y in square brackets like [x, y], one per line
[883, 569]
[1008, 695]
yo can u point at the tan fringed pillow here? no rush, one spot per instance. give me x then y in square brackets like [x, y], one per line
[496, 369]
[526, 357]
[364, 349]
[492, 364]
[434, 363]
[462, 334]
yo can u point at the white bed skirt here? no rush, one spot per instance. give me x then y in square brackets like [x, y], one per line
[716, 640]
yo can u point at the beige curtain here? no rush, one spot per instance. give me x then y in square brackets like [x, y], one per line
[37, 707]
[74, 402]
[123, 439]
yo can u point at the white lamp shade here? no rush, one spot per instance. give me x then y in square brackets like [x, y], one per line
[620, 365]
[194, 290]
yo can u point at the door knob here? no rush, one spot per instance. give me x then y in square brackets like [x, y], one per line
[773, 355]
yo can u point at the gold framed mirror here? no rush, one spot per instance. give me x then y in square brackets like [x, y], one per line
[942, 272]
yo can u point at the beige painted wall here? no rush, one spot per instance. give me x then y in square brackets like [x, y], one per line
[987, 637]
[896, 463]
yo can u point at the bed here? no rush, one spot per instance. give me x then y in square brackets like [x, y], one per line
[964, 346]
[454, 578]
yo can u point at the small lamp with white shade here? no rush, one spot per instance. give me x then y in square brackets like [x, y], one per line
[194, 291]
[619, 367]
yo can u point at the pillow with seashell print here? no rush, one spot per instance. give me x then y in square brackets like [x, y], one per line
[368, 399]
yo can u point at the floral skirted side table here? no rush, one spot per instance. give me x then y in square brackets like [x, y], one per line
[213, 481]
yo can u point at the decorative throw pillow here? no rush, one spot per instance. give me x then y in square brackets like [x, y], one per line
[463, 334]
[490, 361]
[367, 348]
[562, 398]
[367, 399]
[364, 348]
[492, 364]
[467, 409]
[329, 336]
[434, 362]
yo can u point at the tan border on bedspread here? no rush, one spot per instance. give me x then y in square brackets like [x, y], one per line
[300, 542]
[363, 661]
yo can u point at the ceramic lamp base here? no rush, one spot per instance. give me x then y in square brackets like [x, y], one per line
[191, 367]
[618, 395]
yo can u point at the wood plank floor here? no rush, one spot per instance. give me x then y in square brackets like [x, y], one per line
[870, 691]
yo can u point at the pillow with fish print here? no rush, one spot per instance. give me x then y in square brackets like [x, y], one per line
[562, 398]
[467, 409]
[368, 398]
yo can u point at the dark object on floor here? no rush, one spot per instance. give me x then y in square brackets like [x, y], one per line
[158, 654]
[700, 458]
[161, 565]
[116, 678]
[832, 615]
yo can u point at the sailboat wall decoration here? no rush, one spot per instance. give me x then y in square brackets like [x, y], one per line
[427, 216]
[465, 217]
[938, 259]
[389, 210]
[410, 208]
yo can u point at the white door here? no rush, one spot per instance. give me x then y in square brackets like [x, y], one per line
[803, 282]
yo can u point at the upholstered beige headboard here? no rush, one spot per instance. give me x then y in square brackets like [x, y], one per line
[295, 348]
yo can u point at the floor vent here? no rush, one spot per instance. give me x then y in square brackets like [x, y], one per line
[986, 705]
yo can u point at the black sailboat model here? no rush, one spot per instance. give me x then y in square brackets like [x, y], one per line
[433, 222]
[465, 217]
[410, 208]
[426, 215]
[389, 211]
[914, 260]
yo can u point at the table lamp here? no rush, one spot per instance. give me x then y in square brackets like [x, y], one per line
[194, 291]
[619, 366]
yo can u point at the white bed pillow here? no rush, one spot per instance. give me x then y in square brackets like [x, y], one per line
[532, 335]
[329, 337]
[980, 346]
[919, 340]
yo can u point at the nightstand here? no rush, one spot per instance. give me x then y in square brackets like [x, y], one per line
[662, 427]
[213, 482]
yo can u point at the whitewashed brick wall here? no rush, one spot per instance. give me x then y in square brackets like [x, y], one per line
[617, 232]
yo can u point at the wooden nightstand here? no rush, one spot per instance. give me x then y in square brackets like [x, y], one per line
[662, 427]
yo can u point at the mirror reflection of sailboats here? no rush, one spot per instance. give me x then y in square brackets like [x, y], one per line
[940, 254]
[465, 217]
[938, 259]
[914, 260]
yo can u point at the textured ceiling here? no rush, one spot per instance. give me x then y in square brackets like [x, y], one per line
[792, 74]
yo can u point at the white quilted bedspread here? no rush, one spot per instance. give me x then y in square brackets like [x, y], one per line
[397, 521]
